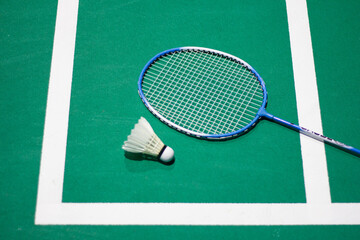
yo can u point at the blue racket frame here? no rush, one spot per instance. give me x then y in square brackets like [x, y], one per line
[261, 114]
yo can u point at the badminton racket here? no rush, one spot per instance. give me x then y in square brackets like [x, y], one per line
[210, 94]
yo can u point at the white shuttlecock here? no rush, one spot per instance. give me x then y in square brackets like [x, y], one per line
[144, 140]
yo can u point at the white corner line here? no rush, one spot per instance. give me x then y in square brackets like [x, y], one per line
[50, 210]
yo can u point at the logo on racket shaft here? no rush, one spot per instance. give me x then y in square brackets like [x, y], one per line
[323, 138]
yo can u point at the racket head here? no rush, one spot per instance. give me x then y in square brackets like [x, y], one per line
[156, 104]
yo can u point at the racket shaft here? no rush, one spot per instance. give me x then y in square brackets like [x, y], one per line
[330, 141]
[312, 134]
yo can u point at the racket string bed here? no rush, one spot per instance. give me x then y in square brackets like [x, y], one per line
[206, 88]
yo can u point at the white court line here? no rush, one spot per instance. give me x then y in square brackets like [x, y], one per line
[313, 151]
[57, 109]
[199, 214]
[318, 210]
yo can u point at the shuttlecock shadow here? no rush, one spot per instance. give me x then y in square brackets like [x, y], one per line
[142, 157]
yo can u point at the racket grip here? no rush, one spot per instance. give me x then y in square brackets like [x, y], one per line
[312, 134]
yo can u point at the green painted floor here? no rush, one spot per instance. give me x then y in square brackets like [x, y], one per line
[114, 41]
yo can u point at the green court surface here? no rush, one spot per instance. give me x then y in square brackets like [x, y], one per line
[78, 194]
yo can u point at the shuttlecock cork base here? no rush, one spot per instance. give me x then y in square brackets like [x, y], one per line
[143, 139]
[166, 154]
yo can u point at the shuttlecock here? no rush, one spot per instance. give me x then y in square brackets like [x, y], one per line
[144, 140]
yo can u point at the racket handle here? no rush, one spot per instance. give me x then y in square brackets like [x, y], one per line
[312, 134]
